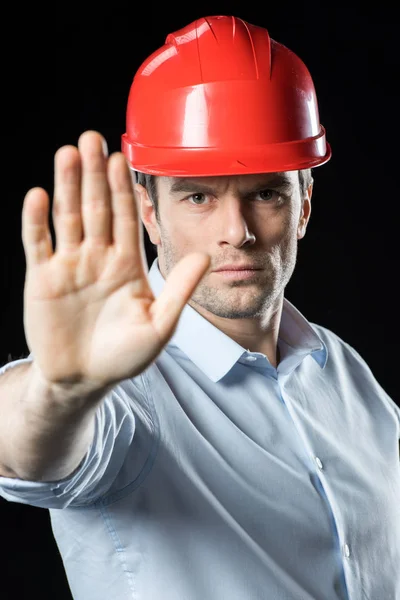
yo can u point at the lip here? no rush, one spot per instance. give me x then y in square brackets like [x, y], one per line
[238, 273]
[236, 268]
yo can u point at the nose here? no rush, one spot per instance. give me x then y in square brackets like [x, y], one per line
[234, 227]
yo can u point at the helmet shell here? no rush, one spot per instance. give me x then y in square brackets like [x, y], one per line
[223, 98]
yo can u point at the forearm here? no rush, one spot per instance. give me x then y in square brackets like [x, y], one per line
[45, 431]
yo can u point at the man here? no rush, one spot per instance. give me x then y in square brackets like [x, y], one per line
[191, 433]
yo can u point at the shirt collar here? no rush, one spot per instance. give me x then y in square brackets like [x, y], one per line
[215, 353]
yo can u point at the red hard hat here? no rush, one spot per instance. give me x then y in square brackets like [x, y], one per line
[222, 98]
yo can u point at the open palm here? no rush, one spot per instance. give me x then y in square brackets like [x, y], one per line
[89, 312]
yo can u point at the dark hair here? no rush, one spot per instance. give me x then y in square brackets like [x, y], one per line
[305, 180]
[149, 182]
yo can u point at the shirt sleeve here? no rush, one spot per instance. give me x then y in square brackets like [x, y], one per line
[115, 425]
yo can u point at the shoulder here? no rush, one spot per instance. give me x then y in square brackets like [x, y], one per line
[345, 364]
[337, 347]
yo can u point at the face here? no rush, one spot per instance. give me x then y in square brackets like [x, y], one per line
[251, 219]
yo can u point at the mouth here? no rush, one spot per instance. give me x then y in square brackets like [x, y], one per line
[238, 273]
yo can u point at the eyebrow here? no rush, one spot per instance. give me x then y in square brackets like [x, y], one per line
[186, 185]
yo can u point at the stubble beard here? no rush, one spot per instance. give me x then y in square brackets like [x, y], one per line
[226, 300]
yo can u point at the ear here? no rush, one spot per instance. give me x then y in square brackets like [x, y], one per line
[147, 213]
[305, 213]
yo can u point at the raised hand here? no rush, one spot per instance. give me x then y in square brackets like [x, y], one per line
[89, 312]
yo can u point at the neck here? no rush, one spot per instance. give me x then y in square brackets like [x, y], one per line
[256, 335]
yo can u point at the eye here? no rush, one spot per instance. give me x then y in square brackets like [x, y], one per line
[266, 195]
[197, 198]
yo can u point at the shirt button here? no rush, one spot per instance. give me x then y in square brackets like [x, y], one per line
[251, 358]
[346, 551]
[319, 463]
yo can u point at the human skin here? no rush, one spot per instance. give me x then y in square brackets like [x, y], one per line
[90, 316]
[256, 219]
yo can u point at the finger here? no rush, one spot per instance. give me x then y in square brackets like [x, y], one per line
[67, 219]
[36, 237]
[178, 289]
[126, 229]
[96, 206]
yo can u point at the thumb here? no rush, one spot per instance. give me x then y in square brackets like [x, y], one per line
[179, 287]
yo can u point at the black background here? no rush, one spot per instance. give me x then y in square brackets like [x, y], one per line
[69, 69]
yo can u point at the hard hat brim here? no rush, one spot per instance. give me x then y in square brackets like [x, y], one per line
[203, 162]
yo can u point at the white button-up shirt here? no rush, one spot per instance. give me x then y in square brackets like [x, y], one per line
[214, 476]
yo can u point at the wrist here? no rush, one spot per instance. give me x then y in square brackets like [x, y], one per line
[64, 400]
